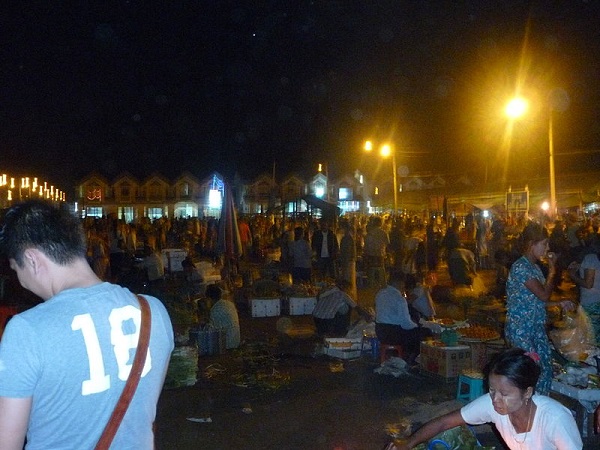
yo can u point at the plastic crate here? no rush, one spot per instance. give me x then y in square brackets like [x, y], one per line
[265, 307]
[299, 306]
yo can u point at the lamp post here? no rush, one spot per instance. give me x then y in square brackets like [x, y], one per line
[516, 108]
[551, 156]
[385, 151]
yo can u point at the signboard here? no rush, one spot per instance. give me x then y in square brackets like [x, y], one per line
[517, 201]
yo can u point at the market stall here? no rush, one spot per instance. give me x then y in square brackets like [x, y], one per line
[576, 380]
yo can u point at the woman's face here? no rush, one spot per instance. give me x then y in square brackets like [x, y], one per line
[539, 249]
[506, 397]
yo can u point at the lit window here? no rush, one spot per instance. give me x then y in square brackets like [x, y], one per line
[345, 194]
[214, 199]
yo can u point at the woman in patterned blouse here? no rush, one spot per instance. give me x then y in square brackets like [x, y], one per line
[527, 292]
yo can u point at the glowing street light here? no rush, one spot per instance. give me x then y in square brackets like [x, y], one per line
[386, 150]
[515, 109]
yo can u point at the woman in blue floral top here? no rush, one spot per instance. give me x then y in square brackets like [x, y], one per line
[527, 293]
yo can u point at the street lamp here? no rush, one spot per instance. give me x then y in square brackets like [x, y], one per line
[386, 150]
[516, 108]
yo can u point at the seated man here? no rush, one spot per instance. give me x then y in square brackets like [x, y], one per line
[461, 266]
[223, 314]
[393, 323]
[333, 309]
[193, 281]
[152, 263]
[419, 297]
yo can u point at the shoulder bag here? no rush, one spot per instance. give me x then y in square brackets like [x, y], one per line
[132, 381]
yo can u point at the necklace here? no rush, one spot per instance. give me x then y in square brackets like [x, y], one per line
[526, 429]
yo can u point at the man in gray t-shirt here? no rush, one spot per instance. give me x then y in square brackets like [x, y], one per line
[65, 362]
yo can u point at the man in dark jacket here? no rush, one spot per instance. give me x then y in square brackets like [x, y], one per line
[326, 247]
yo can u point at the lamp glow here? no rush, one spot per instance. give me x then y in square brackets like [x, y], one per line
[517, 107]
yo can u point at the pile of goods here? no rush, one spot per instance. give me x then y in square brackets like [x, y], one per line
[455, 438]
[266, 288]
[446, 322]
[579, 375]
[479, 332]
[183, 367]
[301, 290]
[573, 337]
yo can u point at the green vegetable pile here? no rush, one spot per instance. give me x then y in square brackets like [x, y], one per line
[459, 438]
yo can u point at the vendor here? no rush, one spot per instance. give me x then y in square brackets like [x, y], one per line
[419, 297]
[394, 324]
[193, 281]
[154, 267]
[333, 310]
[524, 419]
[587, 276]
[461, 266]
[223, 314]
[528, 293]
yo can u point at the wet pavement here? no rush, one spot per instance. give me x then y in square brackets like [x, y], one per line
[277, 392]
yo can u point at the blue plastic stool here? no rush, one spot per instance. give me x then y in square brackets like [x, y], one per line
[474, 388]
[374, 343]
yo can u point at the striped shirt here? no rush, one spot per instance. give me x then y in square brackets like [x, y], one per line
[331, 302]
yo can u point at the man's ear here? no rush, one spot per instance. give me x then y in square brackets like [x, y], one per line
[31, 259]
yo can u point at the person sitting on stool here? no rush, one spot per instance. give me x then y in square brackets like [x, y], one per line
[393, 322]
[155, 269]
[223, 314]
[333, 310]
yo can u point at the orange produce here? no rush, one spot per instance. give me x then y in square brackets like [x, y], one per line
[479, 332]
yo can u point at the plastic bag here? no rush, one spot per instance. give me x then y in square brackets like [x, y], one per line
[459, 438]
[574, 336]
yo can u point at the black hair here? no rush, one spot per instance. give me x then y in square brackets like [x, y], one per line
[517, 366]
[187, 262]
[298, 233]
[410, 281]
[532, 234]
[40, 224]
[214, 292]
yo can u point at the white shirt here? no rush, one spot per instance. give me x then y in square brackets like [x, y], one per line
[592, 295]
[392, 308]
[553, 426]
[423, 303]
[324, 248]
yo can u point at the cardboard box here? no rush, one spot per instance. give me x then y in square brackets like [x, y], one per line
[299, 306]
[342, 353]
[172, 259]
[343, 348]
[265, 307]
[209, 273]
[478, 352]
[446, 362]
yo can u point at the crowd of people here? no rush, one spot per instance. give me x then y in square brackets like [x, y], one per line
[396, 255]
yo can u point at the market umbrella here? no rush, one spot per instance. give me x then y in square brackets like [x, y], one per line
[229, 244]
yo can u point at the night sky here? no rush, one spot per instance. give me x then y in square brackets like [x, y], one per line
[173, 86]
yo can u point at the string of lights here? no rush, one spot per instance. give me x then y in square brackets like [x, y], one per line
[15, 189]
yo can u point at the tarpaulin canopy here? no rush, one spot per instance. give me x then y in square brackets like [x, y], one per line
[326, 207]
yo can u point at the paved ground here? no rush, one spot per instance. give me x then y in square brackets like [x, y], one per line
[276, 393]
